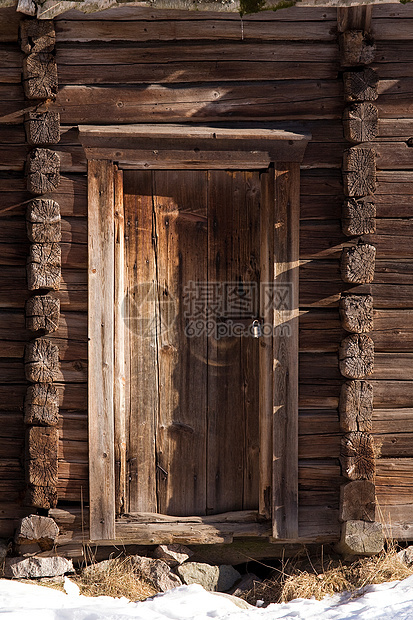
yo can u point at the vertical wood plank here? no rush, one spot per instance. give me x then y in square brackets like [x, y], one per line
[180, 209]
[142, 320]
[266, 342]
[101, 356]
[120, 350]
[285, 435]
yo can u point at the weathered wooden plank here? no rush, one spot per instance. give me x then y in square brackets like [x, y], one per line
[160, 103]
[322, 367]
[173, 30]
[179, 216]
[285, 425]
[266, 348]
[9, 25]
[100, 333]
[186, 71]
[354, 18]
[72, 55]
[142, 321]
[121, 377]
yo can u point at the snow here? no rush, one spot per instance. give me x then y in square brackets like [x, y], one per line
[20, 601]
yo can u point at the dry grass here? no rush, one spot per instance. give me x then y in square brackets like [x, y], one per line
[117, 577]
[303, 578]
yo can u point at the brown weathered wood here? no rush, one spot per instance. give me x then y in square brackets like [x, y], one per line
[100, 333]
[41, 361]
[360, 122]
[43, 171]
[360, 85]
[357, 456]
[358, 216]
[37, 35]
[358, 501]
[42, 128]
[43, 313]
[359, 171]
[360, 538]
[41, 456]
[356, 356]
[41, 497]
[356, 48]
[43, 221]
[121, 346]
[356, 17]
[358, 263]
[44, 266]
[40, 76]
[266, 344]
[144, 396]
[356, 406]
[37, 530]
[41, 405]
[285, 425]
[356, 313]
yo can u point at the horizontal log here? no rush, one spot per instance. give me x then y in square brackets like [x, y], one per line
[76, 55]
[160, 103]
[43, 171]
[74, 256]
[71, 397]
[40, 79]
[41, 406]
[42, 128]
[391, 422]
[43, 313]
[37, 36]
[387, 395]
[73, 230]
[212, 29]
[9, 25]
[323, 367]
[44, 266]
[41, 361]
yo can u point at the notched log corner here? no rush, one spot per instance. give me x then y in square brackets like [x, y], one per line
[41, 405]
[361, 122]
[360, 85]
[356, 313]
[358, 264]
[356, 406]
[43, 171]
[359, 171]
[358, 501]
[44, 266]
[357, 456]
[356, 48]
[40, 79]
[358, 216]
[41, 497]
[42, 128]
[43, 313]
[37, 35]
[356, 356]
[43, 221]
[41, 361]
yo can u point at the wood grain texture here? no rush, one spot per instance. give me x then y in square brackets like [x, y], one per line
[356, 356]
[41, 456]
[42, 128]
[40, 79]
[358, 501]
[42, 313]
[37, 35]
[43, 171]
[356, 406]
[41, 361]
[358, 216]
[43, 221]
[360, 122]
[356, 48]
[360, 85]
[285, 429]
[41, 405]
[359, 171]
[357, 456]
[100, 333]
[356, 313]
[357, 264]
[44, 266]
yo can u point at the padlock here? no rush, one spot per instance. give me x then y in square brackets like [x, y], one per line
[256, 329]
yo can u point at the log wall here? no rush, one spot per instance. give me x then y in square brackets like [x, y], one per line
[197, 67]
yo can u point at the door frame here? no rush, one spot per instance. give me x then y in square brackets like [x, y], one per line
[278, 149]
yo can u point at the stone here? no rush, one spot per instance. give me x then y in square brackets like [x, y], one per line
[406, 555]
[239, 602]
[172, 554]
[211, 578]
[360, 538]
[35, 567]
[157, 572]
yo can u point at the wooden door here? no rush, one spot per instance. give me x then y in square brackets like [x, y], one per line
[192, 276]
